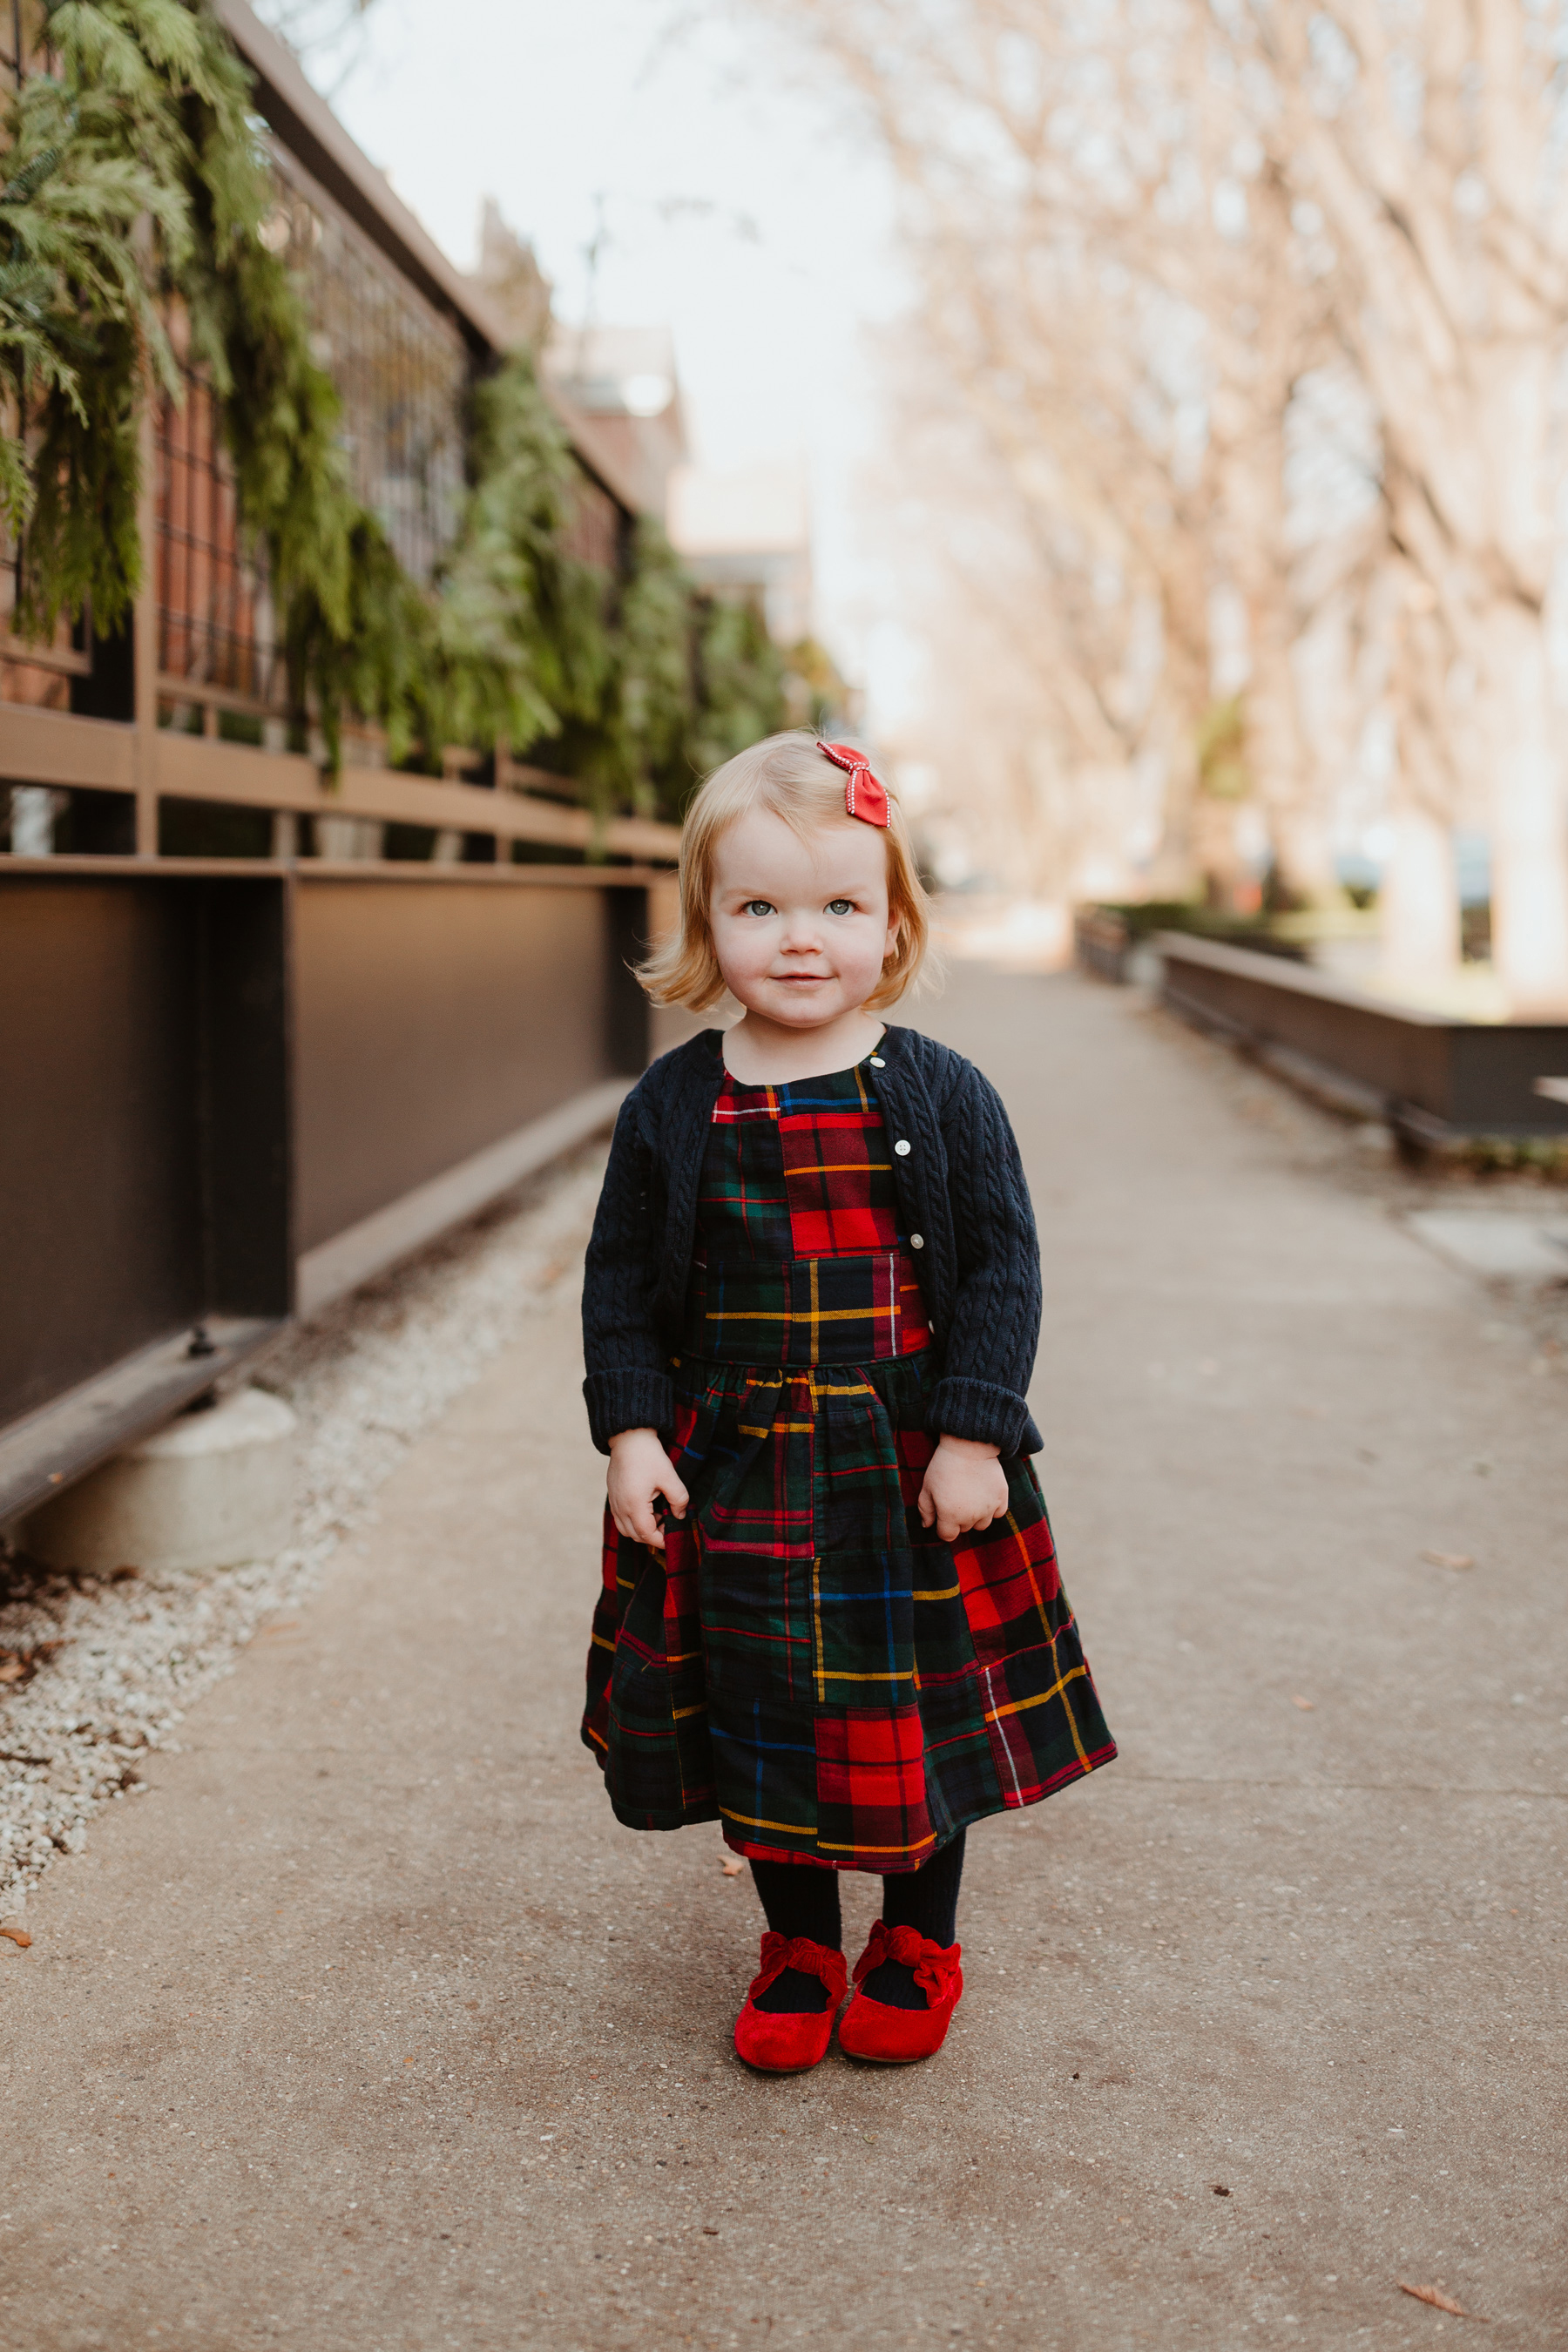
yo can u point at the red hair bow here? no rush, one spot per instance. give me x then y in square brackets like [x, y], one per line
[863, 796]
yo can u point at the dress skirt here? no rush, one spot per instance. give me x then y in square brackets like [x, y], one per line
[807, 1663]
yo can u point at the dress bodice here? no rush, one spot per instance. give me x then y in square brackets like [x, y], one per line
[799, 1258]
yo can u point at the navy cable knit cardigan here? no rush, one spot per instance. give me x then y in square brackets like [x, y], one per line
[960, 1187]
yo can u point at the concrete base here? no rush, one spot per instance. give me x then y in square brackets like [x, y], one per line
[1506, 1246]
[211, 1489]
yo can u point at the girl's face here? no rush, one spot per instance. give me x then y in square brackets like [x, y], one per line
[801, 927]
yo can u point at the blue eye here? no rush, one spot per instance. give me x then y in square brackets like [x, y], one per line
[841, 905]
[758, 906]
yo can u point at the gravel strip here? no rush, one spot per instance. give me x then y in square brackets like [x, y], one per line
[96, 1670]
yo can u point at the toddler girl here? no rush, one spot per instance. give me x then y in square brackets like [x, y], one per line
[831, 1615]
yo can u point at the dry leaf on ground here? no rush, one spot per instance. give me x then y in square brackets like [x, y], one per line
[732, 1865]
[1439, 2301]
[1306, 1705]
[19, 1937]
[21, 1665]
[1448, 1558]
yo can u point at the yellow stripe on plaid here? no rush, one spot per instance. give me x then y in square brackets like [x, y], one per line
[835, 1845]
[814, 1381]
[1043, 1699]
[749, 1822]
[783, 1315]
[845, 1168]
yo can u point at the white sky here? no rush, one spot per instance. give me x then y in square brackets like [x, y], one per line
[738, 208]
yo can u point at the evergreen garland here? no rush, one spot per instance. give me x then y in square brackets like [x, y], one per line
[522, 635]
[86, 193]
[658, 700]
[131, 178]
[742, 681]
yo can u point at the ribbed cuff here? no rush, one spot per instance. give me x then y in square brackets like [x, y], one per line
[991, 1416]
[629, 1400]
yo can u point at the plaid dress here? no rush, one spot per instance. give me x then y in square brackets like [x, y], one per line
[808, 1664]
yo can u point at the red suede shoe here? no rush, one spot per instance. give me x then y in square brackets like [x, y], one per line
[896, 2037]
[784, 2042]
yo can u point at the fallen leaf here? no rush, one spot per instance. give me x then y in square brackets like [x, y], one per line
[21, 1665]
[18, 1936]
[732, 1865]
[1306, 1705]
[1440, 2301]
[1447, 1559]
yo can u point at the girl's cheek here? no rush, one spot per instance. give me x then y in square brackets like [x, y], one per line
[749, 950]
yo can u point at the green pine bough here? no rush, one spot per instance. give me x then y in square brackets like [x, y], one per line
[133, 187]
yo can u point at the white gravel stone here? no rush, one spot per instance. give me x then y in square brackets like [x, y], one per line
[97, 1669]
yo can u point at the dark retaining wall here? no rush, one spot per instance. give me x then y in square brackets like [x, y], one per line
[1436, 1079]
[209, 1069]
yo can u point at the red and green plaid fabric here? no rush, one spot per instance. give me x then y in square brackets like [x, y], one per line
[808, 1665]
[799, 1257]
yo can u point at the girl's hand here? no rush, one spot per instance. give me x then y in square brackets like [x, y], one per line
[640, 1469]
[965, 1487]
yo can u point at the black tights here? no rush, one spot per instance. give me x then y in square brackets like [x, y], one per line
[802, 1899]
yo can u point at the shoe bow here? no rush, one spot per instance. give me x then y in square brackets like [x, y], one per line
[934, 1966]
[781, 1952]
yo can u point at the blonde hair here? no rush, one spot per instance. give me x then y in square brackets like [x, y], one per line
[787, 775]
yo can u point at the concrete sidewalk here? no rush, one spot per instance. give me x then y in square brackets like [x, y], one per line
[369, 2028]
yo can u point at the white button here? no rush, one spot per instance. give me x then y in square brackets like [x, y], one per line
[877, 1062]
[902, 1150]
[916, 1241]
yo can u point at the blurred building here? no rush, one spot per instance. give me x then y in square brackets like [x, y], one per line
[746, 532]
[623, 379]
[511, 281]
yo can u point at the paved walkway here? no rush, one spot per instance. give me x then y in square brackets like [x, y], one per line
[369, 2028]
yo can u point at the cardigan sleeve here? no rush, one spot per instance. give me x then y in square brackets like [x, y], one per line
[629, 1385]
[995, 1328]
